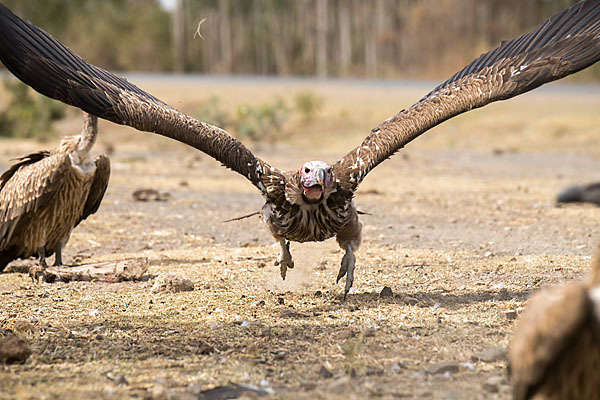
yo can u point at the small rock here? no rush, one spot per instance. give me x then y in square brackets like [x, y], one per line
[280, 300]
[150, 195]
[259, 303]
[398, 366]
[318, 293]
[374, 371]
[386, 292]
[369, 332]
[120, 380]
[171, 283]
[325, 373]
[410, 300]
[13, 349]
[492, 384]
[443, 367]
[288, 313]
[340, 385]
[490, 355]
[511, 314]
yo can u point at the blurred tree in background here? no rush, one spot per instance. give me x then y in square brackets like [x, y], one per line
[360, 38]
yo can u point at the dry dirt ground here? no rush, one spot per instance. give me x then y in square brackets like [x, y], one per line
[463, 228]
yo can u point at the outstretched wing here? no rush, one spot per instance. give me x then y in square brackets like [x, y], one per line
[99, 185]
[564, 44]
[52, 69]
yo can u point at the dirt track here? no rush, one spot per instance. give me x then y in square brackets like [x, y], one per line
[463, 228]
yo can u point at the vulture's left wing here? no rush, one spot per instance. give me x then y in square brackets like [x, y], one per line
[49, 67]
[564, 44]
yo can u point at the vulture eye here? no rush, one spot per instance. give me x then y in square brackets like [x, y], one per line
[306, 170]
[328, 170]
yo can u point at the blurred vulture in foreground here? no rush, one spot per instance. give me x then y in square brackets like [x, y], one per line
[47, 194]
[315, 202]
[555, 351]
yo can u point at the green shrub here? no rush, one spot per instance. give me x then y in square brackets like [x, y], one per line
[28, 114]
[262, 122]
[308, 104]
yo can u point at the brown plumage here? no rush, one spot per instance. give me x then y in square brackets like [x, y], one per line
[46, 194]
[555, 350]
[315, 202]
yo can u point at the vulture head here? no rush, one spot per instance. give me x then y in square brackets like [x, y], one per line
[315, 178]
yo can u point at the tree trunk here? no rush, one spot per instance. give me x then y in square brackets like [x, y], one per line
[179, 37]
[321, 55]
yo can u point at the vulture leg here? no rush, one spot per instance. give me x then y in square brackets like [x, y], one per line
[347, 268]
[39, 271]
[58, 255]
[349, 239]
[285, 257]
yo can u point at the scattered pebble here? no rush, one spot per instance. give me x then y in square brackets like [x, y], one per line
[490, 355]
[492, 384]
[398, 366]
[13, 349]
[386, 292]
[150, 195]
[442, 367]
[468, 366]
[324, 372]
[171, 283]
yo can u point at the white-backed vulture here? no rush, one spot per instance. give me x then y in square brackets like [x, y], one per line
[46, 194]
[555, 351]
[315, 202]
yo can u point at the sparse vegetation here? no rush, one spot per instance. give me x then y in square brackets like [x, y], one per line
[28, 114]
[255, 122]
[308, 104]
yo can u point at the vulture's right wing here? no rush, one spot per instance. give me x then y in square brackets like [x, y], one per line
[564, 44]
[52, 69]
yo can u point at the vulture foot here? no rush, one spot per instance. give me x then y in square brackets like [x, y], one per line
[284, 260]
[347, 268]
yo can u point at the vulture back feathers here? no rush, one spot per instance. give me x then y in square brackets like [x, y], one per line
[555, 350]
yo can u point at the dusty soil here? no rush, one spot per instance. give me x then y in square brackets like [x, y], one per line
[463, 228]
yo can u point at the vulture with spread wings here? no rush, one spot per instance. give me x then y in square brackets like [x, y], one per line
[315, 202]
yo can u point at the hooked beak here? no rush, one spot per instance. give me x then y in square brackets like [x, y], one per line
[321, 177]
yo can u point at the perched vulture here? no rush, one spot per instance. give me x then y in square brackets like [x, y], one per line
[555, 350]
[47, 194]
[315, 202]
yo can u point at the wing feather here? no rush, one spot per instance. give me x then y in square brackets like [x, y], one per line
[564, 44]
[52, 69]
[26, 186]
[98, 189]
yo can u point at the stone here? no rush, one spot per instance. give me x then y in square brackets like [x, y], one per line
[490, 355]
[386, 292]
[442, 367]
[492, 384]
[171, 283]
[13, 349]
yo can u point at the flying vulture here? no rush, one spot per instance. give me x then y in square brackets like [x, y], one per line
[46, 194]
[555, 350]
[315, 202]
